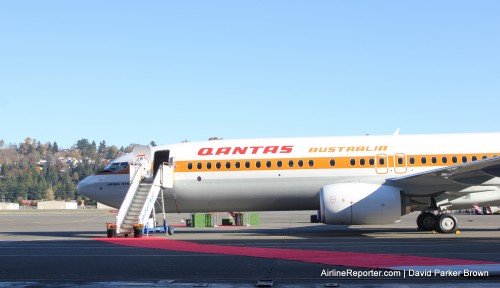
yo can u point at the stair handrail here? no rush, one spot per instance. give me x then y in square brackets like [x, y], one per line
[151, 198]
[134, 184]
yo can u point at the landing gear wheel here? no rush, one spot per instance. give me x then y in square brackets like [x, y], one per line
[446, 223]
[170, 230]
[426, 221]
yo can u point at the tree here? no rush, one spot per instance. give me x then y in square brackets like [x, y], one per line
[26, 147]
[102, 148]
[75, 177]
[112, 151]
[55, 148]
[49, 194]
[82, 144]
[39, 148]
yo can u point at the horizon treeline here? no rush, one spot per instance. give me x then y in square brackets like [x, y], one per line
[32, 170]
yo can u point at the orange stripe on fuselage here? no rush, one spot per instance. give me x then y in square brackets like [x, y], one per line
[346, 162]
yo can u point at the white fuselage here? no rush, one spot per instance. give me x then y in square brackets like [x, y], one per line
[287, 174]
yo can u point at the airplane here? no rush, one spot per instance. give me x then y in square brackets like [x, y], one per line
[353, 180]
[486, 210]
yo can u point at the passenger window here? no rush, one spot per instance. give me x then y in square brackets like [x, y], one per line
[237, 164]
[372, 161]
[423, 160]
[485, 157]
[332, 162]
[290, 163]
[247, 164]
[454, 159]
[279, 163]
[362, 162]
[412, 161]
[218, 165]
[228, 165]
[311, 163]
[474, 158]
[198, 166]
[353, 162]
[190, 166]
[257, 164]
[400, 161]
[444, 159]
[268, 164]
[209, 165]
[433, 160]
[464, 159]
[381, 161]
[300, 163]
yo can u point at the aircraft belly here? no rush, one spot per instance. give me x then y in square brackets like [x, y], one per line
[222, 195]
[243, 195]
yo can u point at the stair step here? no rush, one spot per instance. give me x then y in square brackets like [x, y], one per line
[139, 198]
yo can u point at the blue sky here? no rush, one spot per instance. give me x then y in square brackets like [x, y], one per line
[135, 71]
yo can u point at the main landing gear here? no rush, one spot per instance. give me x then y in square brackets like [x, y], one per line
[441, 222]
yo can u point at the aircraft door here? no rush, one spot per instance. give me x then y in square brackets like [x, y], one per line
[381, 165]
[400, 165]
[160, 157]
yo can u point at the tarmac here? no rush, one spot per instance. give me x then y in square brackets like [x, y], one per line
[70, 248]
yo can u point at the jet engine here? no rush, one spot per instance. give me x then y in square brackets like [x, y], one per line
[360, 204]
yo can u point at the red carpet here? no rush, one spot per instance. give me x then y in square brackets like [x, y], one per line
[351, 259]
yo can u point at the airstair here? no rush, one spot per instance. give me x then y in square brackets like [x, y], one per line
[145, 187]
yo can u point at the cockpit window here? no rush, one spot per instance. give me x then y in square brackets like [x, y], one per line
[116, 167]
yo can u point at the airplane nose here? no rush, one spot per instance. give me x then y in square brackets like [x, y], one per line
[85, 188]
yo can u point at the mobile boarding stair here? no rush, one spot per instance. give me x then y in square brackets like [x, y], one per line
[139, 202]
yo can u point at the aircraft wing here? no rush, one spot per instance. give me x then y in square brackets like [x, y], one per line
[452, 178]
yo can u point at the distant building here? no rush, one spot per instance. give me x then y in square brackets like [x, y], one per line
[9, 206]
[56, 205]
[102, 206]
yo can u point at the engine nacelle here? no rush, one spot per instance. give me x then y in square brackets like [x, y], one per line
[359, 204]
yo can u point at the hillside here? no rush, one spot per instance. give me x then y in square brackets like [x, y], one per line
[34, 171]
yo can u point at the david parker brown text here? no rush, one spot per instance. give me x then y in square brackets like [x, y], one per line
[350, 273]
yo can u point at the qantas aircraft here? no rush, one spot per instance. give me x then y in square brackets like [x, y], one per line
[350, 180]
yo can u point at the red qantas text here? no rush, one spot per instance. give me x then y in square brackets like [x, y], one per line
[245, 150]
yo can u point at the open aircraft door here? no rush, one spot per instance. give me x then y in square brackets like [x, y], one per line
[162, 160]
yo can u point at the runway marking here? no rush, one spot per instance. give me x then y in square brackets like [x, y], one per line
[349, 259]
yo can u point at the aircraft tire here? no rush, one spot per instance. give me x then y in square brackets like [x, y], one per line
[446, 223]
[426, 221]
[170, 230]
